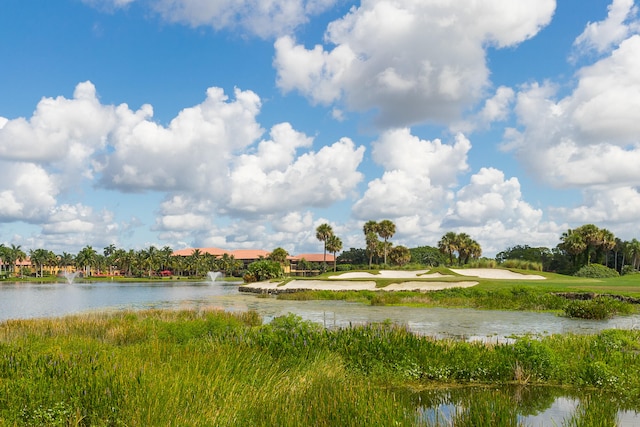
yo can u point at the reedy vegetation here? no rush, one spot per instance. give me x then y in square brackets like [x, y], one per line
[216, 368]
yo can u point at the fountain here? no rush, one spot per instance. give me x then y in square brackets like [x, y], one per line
[70, 276]
[214, 275]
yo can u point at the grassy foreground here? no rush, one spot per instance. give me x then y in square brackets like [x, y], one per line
[210, 368]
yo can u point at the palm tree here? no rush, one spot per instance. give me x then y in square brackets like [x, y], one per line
[334, 245]
[464, 243]
[386, 230]
[573, 243]
[86, 258]
[3, 256]
[633, 250]
[16, 254]
[323, 232]
[607, 243]
[400, 255]
[193, 261]
[448, 245]
[372, 245]
[279, 255]
[65, 260]
[39, 257]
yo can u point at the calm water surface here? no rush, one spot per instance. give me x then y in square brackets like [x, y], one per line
[28, 300]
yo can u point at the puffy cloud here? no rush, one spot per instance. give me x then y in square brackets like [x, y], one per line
[208, 162]
[618, 205]
[262, 18]
[384, 60]
[191, 153]
[589, 137]
[417, 175]
[601, 36]
[61, 132]
[75, 226]
[489, 197]
[27, 192]
[265, 182]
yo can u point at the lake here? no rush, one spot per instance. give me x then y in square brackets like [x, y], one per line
[31, 300]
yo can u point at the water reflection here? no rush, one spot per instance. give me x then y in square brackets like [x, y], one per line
[26, 300]
[522, 406]
[507, 405]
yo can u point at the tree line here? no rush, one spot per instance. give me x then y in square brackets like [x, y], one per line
[135, 263]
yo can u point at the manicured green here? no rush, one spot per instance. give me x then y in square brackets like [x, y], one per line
[210, 368]
[500, 294]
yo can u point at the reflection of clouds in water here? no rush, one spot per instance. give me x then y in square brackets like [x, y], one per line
[33, 300]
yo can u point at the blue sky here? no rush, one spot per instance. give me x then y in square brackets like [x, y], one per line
[246, 124]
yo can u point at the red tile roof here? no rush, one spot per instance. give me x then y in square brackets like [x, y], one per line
[314, 257]
[251, 254]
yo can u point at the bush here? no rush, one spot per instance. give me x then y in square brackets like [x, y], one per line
[597, 308]
[628, 269]
[596, 271]
[265, 270]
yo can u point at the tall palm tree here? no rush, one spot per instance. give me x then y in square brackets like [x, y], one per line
[194, 261]
[464, 243]
[633, 250]
[386, 230]
[448, 245]
[323, 232]
[607, 242]
[573, 243]
[334, 245]
[3, 256]
[39, 258]
[16, 254]
[86, 258]
[65, 260]
[372, 245]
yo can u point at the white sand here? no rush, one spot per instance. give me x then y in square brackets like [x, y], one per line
[495, 273]
[352, 285]
[388, 274]
[338, 282]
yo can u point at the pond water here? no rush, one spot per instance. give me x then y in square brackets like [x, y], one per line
[29, 300]
[537, 408]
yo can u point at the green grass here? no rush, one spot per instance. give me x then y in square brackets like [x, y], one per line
[213, 368]
[492, 294]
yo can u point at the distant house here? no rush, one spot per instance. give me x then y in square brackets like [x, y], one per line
[247, 256]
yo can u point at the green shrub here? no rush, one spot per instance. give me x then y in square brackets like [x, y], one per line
[596, 271]
[628, 269]
[597, 308]
[265, 270]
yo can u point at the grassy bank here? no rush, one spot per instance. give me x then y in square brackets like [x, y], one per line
[501, 294]
[215, 368]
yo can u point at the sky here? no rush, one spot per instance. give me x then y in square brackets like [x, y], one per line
[248, 123]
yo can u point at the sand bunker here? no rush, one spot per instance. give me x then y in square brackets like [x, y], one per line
[495, 273]
[350, 285]
[388, 274]
[339, 282]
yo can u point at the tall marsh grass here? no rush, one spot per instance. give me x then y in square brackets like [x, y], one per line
[209, 368]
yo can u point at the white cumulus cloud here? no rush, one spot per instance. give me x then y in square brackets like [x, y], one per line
[589, 137]
[620, 22]
[409, 61]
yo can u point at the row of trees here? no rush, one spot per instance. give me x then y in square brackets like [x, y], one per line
[581, 247]
[144, 262]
